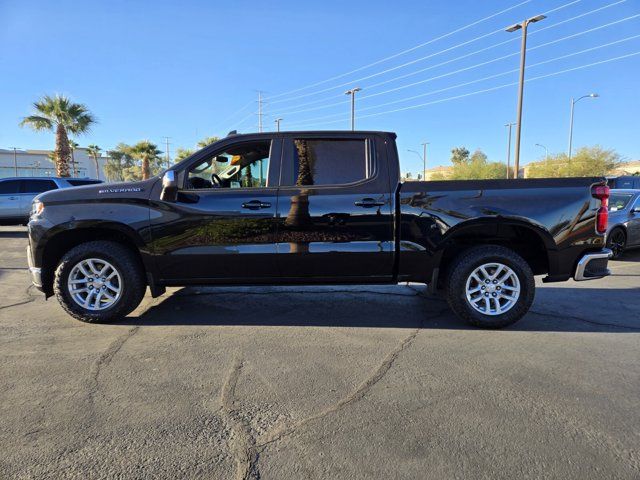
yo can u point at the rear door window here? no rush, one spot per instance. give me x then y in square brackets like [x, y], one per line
[9, 187]
[38, 186]
[329, 161]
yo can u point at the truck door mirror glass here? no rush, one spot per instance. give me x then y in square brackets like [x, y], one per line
[169, 187]
[222, 159]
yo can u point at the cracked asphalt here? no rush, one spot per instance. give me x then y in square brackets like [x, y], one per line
[331, 382]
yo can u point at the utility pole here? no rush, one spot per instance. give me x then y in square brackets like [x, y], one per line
[523, 54]
[167, 156]
[424, 160]
[509, 150]
[15, 161]
[352, 92]
[278, 120]
[573, 104]
[260, 102]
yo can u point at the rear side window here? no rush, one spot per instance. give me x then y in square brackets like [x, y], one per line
[78, 183]
[38, 186]
[619, 201]
[330, 161]
[9, 187]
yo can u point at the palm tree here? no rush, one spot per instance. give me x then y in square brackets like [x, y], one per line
[62, 115]
[94, 151]
[206, 141]
[73, 145]
[147, 152]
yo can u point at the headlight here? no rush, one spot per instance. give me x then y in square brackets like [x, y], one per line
[37, 207]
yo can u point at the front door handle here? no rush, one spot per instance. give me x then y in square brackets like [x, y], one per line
[368, 203]
[13, 198]
[256, 205]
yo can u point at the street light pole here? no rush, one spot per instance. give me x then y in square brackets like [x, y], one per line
[15, 161]
[424, 160]
[573, 103]
[523, 54]
[419, 156]
[546, 151]
[352, 92]
[509, 150]
[278, 120]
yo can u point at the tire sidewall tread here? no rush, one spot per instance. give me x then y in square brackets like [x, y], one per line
[123, 259]
[471, 259]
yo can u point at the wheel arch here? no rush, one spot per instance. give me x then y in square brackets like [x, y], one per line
[67, 236]
[531, 241]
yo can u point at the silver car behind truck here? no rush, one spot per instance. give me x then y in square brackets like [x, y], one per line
[17, 193]
[623, 231]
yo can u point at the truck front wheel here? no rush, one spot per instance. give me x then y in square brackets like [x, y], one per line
[490, 286]
[99, 281]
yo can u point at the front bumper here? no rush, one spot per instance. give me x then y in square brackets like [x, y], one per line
[593, 265]
[34, 272]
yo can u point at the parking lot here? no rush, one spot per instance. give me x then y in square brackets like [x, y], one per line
[331, 382]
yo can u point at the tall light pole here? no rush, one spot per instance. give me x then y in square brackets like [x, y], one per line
[509, 150]
[424, 163]
[424, 160]
[278, 120]
[352, 92]
[546, 151]
[167, 156]
[15, 160]
[523, 54]
[573, 103]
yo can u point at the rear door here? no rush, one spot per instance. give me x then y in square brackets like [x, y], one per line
[9, 198]
[335, 209]
[633, 227]
[30, 188]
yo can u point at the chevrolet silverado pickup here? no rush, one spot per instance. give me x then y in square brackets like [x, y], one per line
[315, 208]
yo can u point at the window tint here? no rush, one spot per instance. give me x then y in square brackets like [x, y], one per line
[329, 162]
[38, 186]
[77, 182]
[9, 187]
[618, 201]
[245, 165]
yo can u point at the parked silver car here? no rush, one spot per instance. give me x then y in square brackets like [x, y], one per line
[17, 193]
[624, 220]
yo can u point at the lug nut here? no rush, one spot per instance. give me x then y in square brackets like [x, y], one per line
[498, 288]
[486, 281]
[493, 294]
[486, 294]
[495, 281]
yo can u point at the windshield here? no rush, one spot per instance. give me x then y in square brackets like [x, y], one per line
[619, 201]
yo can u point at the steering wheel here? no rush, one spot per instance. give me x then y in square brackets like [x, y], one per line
[216, 181]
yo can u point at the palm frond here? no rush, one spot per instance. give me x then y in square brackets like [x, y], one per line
[37, 122]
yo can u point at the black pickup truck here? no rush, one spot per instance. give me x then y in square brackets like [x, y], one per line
[315, 208]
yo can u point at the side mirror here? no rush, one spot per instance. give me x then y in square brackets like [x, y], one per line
[635, 210]
[221, 159]
[169, 187]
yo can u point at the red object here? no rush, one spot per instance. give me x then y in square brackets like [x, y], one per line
[601, 192]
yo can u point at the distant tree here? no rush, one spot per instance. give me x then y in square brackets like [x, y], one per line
[62, 115]
[587, 161]
[459, 155]
[181, 154]
[94, 152]
[149, 156]
[120, 160]
[73, 145]
[472, 167]
[206, 141]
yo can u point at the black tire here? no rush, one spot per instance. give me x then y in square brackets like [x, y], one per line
[617, 242]
[462, 268]
[131, 272]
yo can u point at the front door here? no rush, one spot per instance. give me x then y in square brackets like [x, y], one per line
[335, 209]
[222, 226]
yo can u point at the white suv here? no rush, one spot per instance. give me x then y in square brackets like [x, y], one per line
[17, 193]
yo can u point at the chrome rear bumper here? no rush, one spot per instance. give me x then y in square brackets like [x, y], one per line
[593, 265]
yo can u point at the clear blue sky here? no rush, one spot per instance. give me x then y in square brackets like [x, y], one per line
[147, 69]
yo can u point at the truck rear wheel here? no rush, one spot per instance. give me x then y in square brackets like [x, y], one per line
[99, 281]
[490, 286]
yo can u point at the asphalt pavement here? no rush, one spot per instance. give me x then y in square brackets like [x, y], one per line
[328, 382]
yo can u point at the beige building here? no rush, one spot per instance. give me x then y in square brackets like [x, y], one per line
[37, 163]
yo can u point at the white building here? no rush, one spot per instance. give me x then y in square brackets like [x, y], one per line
[36, 163]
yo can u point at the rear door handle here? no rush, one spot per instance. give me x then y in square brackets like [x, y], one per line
[256, 205]
[368, 203]
[13, 198]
